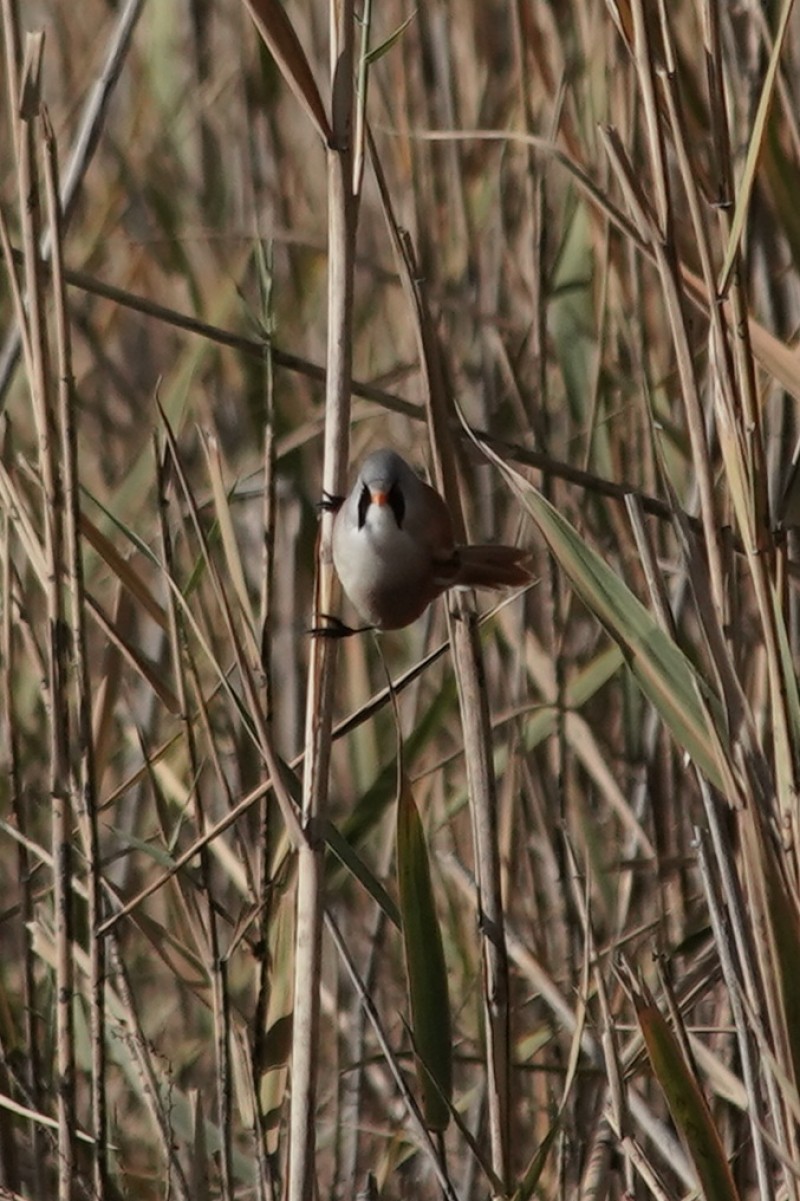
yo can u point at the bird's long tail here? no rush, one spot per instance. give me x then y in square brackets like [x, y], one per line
[492, 567]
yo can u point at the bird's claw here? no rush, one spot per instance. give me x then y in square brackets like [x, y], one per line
[335, 629]
[330, 504]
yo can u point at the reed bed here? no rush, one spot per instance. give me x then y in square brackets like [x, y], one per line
[503, 904]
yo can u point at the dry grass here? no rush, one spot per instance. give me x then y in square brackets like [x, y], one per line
[598, 802]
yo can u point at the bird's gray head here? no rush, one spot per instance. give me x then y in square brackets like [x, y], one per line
[384, 479]
[383, 468]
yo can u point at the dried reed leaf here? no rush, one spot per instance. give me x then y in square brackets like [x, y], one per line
[533, 1171]
[138, 661]
[359, 870]
[378, 52]
[30, 88]
[774, 910]
[687, 1104]
[272, 1046]
[230, 546]
[123, 570]
[754, 148]
[24, 524]
[198, 1171]
[278, 33]
[426, 971]
[659, 666]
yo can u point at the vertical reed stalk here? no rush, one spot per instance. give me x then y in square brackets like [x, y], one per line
[319, 699]
[41, 392]
[82, 770]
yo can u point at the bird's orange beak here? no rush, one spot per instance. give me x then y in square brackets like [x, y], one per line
[379, 498]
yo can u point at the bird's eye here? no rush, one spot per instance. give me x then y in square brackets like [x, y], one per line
[363, 505]
[397, 504]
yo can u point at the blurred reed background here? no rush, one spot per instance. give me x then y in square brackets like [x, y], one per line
[602, 201]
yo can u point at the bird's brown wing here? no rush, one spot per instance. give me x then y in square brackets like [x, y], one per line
[488, 567]
[446, 570]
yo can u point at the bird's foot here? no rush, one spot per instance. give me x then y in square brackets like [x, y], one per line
[336, 628]
[330, 504]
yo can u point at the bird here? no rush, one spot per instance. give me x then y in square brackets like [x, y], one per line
[394, 550]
